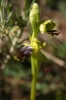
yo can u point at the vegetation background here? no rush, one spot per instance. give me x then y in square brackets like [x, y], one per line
[15, 76]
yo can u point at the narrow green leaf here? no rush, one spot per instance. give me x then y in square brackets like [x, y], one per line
[9, 17]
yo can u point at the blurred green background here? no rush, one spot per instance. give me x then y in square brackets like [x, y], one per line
[15, 29]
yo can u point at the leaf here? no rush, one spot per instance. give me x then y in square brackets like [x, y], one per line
[14, 29]
[2, 8]
[9, 17]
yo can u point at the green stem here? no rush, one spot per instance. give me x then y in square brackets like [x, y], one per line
[33, 88]
[34, 79]
[34, 34]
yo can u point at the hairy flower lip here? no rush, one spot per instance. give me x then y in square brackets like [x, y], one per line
[24, 53]
[53, 32]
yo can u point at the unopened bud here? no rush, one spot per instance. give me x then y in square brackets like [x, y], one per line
[34, 16]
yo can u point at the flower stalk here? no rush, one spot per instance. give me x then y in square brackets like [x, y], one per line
[34, 79]
[45, 26]
[35, 46]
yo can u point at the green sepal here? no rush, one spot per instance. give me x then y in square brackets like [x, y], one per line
[46, 26]
[43, 28]
[49, 24]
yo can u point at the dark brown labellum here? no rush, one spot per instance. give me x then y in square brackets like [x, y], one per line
[53, 32]
[24, 53]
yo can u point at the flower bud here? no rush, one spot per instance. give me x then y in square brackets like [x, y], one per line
[33, 20]
[36, 11]
[35, 6]
[34, 16]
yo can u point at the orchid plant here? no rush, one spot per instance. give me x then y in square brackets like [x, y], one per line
[34, 49]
